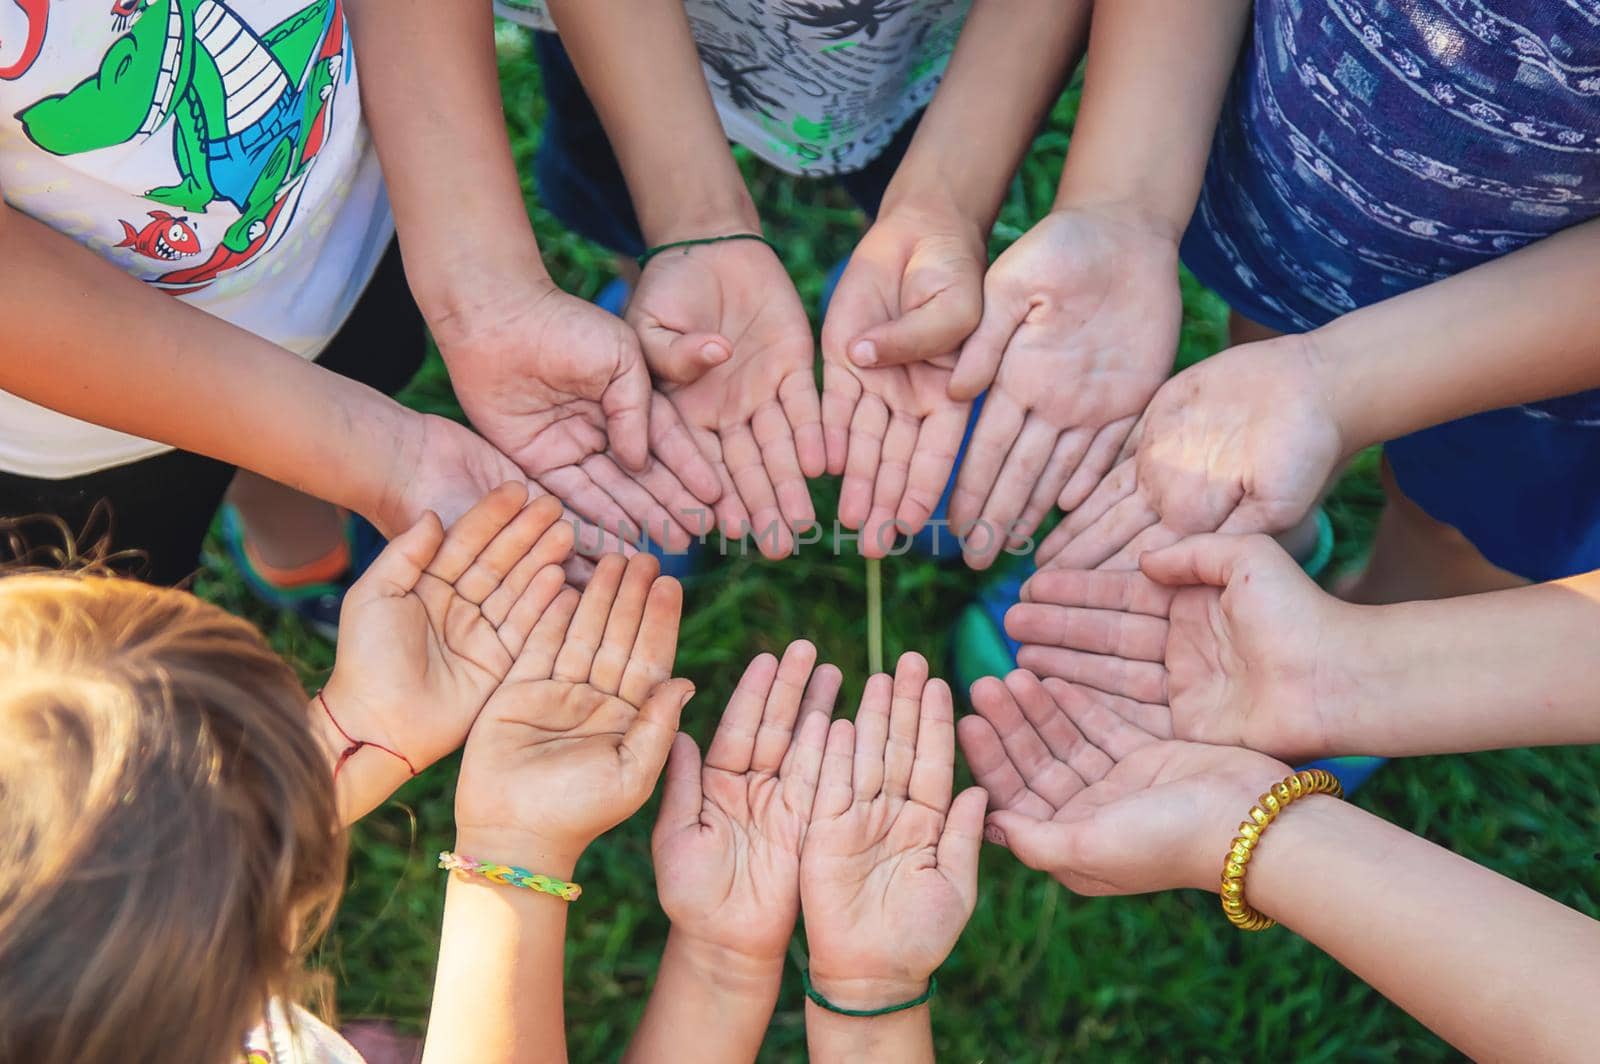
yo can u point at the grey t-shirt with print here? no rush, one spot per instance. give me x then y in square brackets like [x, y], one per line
[814, 87]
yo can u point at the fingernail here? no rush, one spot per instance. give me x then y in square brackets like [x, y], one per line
[994, 835]
[714, 353]
[865, 352]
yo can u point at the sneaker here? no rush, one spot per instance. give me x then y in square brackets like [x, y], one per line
[316, 603]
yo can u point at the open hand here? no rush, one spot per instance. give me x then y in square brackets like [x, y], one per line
[575, 738]
[1243, 442]
[1222, 639]
[750, 404]
[1080, 327]
[1101, 804]
[889, 874]
[727, 842]
[432, 627]
[912, 293]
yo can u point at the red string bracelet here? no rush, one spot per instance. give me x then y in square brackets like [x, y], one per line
[356, 744]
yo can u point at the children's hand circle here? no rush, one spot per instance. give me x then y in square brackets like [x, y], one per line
[1242, 442]
[889, 873]
[911, 294]
[723, 327]
[1098, 802]
[574, 740]
[1080, 327]
[728, 838]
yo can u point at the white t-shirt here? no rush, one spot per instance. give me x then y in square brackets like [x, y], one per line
[294, 1036]
[814, 87]
[214, 149]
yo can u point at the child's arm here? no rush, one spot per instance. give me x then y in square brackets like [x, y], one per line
[569, 746]
[1245, 442]
[727, 856]
[428, 633]
[547, 377]
[1495, 969]
[87, 340]
[889, 874]
[1081, 316]
[913, 289]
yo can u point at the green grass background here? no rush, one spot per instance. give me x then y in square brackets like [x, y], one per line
[1040, 975]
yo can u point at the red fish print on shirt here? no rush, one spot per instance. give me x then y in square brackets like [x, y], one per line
[38, 15]
[165, 238]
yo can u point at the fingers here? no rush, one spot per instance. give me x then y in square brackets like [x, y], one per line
[1111, 632]
[398, 567]
[816, 709]
[530, 606]
[1112, 733]
[467, 538]
[648, 518]
[933, 774]
[999, 425]
[750, 478]
[962, 841]
[868, 428]
[1146, 716]
[1040, 843]
[626, 405]
[1097, 462]
[1156, 537]
[993, 770]
[622, 626]
[1068, 453]
[905, 709]
[1142, 681]
[1018, 476]
[932, 461]
[782, 709]
[775, 436]
[802, 766]
[1211, 559]
[872, 736]
[1002, 705]
[835, 788]
[649, 738]
[1107, 536]
[508, 548]
[656, 647]
[841, 390]
[552, 548]
[981, 354]
[539, 651]
[1117, 486]
[878, 531]
[1098, 590]
[733, 745]
[588, 625]
[674, 445]
[681, 798]
[1042, 710]
[600, 514]
[803, 408]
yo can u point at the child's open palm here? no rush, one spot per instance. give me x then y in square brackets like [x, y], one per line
[727, 843]
[889, 874]
[574, 740]
[431, 629]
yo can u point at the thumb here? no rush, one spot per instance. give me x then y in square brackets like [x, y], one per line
[1210, 559]
[963, 839]
[398, 567]
[680, 794]
[626, 405]
[649, 738]
[936, 326]
[682, 357]
[1039, 844]
[981, 354]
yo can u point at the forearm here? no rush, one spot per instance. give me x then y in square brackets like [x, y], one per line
[640, 67]
[87, 340]
[701, 988]
[442, 141]
[905, 1037]
[1498, 971]
[1008, 69]
[1156, 77]
[497, 995]
[1481, 672]
[1520, 328]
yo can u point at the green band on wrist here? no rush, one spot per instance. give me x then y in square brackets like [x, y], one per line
[644, 260]
[815, 995]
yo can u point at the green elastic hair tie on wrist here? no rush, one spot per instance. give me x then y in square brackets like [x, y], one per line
[644, 260]
[815, 995]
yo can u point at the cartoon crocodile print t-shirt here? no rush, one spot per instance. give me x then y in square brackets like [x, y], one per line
[214, 149]
[814, 87]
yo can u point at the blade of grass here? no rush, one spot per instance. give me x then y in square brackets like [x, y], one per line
[875, 615]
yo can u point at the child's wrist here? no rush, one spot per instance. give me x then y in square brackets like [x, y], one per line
[732, 971]
[866, 992]
[557, 858]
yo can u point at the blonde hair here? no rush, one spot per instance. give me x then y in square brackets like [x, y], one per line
[169, 839]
